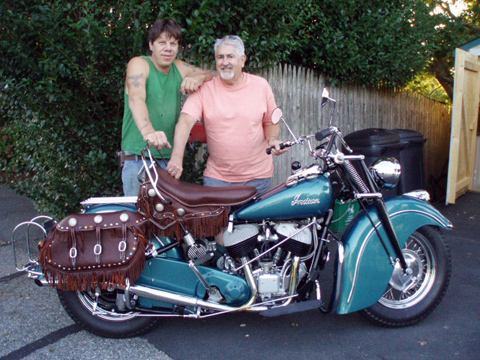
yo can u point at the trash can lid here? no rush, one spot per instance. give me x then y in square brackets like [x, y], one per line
[372, 136]
[409, 135]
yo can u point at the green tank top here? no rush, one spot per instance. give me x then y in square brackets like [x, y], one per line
[163, 102]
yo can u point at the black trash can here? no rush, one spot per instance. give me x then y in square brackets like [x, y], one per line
[411, 160]
[374, 144]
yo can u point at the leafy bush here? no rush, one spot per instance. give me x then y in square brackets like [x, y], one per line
[62, 78]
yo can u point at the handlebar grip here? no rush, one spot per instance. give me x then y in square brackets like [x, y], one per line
[319, 136]
[282, 146]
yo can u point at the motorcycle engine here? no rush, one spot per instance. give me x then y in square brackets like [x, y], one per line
[272, 270]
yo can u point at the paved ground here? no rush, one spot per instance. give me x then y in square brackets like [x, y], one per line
[34, 326]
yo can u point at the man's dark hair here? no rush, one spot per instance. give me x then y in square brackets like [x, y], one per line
[168, 26]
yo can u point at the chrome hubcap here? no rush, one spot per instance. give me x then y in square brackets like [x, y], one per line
[408, 289]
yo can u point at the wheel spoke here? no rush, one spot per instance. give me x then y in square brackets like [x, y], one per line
[406, 292]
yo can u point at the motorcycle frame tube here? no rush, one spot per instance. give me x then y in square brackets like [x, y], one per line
[366, 270]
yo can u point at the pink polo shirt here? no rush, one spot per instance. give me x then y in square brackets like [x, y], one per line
[234, 118]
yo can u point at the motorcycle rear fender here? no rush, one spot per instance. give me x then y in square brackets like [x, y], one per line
[363, 273]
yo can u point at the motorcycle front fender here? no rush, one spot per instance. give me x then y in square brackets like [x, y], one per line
[365, 269]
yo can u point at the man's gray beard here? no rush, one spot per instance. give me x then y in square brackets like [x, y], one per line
[227, 75]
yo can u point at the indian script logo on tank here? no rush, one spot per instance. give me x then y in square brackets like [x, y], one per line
[307, 201]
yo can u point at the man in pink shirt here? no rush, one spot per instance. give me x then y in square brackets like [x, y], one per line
[235, 108]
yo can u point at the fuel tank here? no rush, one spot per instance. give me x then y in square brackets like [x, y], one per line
[307, 198]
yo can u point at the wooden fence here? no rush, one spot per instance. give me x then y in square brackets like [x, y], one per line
[298, 92]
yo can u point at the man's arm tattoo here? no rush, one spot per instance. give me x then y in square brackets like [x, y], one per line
[147, 123]
[136, 79]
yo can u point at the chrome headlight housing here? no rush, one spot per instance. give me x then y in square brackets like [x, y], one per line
[386, 172]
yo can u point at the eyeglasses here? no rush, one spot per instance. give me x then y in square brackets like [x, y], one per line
[232, 37]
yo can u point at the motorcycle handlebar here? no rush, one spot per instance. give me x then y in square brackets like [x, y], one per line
[282, 146]
[319, 136]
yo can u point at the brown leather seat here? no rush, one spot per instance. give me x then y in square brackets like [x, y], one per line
[196, 195]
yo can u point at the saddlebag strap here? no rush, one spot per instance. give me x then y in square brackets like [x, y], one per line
[167, 218]
[86, 251]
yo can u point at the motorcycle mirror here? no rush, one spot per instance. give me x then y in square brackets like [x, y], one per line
[277, 115]
[325, 97]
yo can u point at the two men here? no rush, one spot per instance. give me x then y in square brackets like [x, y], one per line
[235, 108]
[153, 89]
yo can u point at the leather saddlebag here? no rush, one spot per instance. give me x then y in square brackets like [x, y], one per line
[86, 251]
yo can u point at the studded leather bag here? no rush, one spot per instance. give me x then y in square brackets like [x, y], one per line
[86, 251]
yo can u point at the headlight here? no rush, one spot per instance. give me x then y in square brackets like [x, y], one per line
[386, 172]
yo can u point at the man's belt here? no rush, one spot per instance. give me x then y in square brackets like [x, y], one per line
[133, 157]
[138, 157]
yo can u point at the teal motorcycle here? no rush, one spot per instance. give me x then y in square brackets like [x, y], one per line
[126, 262]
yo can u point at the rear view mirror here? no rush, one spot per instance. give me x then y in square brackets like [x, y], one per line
[325, 97]
[277, 115]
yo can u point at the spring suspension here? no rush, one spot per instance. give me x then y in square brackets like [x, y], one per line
[356, 178]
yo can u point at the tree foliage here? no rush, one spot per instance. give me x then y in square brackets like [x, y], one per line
[266, 26]
[379, 42]
[427, 85]
[451, 31]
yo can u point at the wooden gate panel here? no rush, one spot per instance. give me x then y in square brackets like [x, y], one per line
[464, 124]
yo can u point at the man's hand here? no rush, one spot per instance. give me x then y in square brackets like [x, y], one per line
[190, 84]
[276, 142]
[158, 140]
[175, 168]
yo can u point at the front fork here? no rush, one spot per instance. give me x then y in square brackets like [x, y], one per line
[370, 192]
[382, 211]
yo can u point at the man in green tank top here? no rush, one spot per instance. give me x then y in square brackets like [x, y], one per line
[153, 89]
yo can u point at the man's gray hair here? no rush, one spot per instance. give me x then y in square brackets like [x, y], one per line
[231, 40]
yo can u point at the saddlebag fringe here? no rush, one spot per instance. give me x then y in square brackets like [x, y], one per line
[167, 218]
[86, 251]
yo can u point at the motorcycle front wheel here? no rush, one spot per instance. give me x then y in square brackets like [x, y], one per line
[410, 298]
[107, 322]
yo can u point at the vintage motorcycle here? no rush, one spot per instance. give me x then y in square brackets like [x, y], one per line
[125, 262]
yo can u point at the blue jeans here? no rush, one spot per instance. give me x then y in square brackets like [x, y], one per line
[262, 185]
[131, 185]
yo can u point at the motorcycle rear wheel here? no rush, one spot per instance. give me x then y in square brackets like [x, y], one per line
[79, 306]
[410, 298]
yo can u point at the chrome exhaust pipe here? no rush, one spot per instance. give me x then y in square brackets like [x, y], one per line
[177, 299]
[38, 278]
[40, 282]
